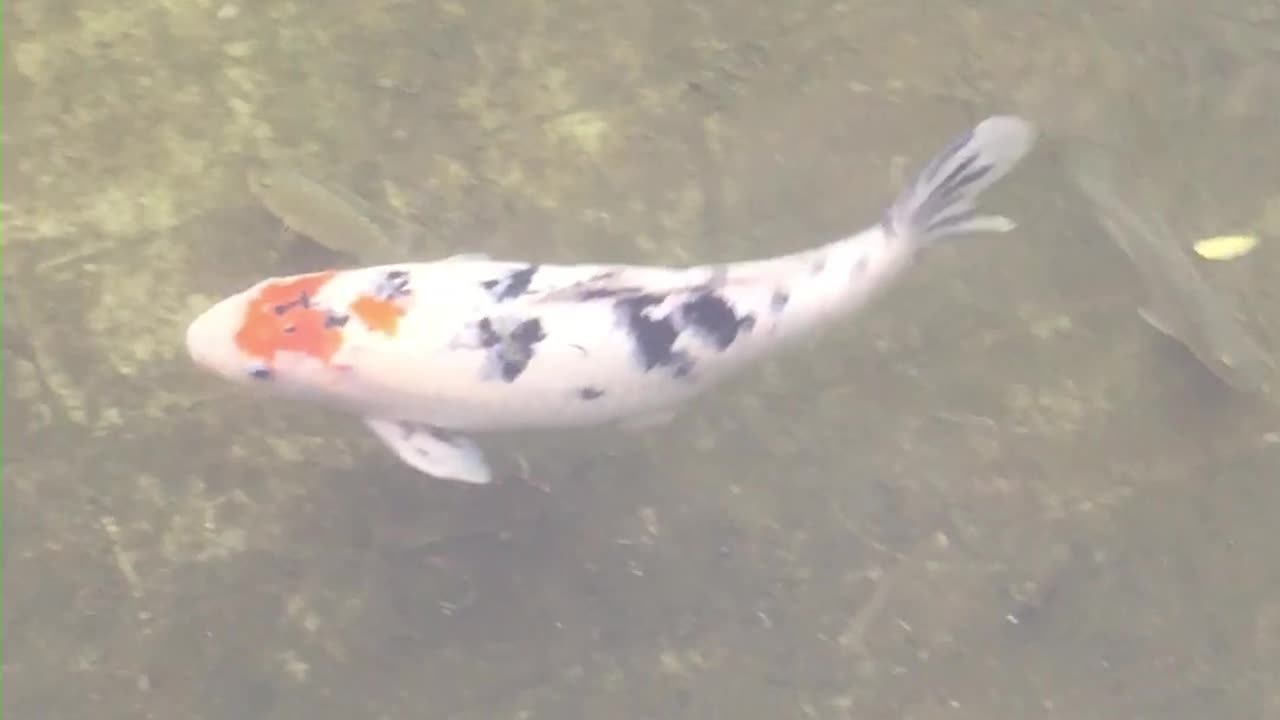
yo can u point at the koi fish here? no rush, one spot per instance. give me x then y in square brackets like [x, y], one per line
[332, 219]
[430, 353]
[1180, 304]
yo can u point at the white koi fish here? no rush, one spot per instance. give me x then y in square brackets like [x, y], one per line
[428, 353]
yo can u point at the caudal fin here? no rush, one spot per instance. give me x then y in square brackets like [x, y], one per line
[942, 199]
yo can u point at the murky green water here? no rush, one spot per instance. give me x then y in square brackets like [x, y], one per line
[996, 495]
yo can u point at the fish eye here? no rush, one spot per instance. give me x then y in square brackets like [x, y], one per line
[260, 372]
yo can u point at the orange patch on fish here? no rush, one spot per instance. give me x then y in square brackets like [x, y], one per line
[378, 314]
[281, 319]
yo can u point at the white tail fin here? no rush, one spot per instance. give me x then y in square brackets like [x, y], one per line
[942, 199]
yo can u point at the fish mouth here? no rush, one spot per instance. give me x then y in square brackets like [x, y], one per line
[210, 338]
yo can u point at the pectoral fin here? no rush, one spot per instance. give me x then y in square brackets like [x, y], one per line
[433, 451]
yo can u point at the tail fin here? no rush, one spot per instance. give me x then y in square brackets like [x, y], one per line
[941, 200]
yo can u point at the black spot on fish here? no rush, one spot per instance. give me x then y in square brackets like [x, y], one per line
[860, 266]
[514, 357]
[335, 320]
[528, 333]
[261, 372]
[511, 348]
[714, 319]
[513, 285]
[779, 301]
[512, 366]
[394, 284]
[596, 293]
[302, 301]
[488, 336]
[602, 285]
[590, 393]
[653, 338]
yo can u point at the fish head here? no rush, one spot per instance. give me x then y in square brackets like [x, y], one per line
[277, 335]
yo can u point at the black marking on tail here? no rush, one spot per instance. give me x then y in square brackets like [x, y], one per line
[942, 199]
[947, 153]
[964, 175]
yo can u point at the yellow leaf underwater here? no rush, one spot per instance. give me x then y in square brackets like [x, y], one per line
[1225, 247]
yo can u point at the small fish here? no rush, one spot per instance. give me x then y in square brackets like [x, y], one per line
[324, 215]
[430, 353]
[1180, 304]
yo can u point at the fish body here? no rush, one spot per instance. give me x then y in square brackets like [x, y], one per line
[430, 353]
[1179, 303]
[332, 219]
